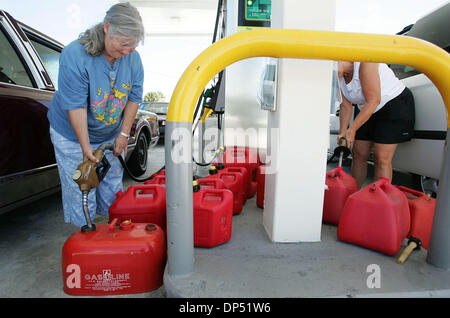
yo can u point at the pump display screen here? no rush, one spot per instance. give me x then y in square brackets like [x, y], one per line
[258, 10]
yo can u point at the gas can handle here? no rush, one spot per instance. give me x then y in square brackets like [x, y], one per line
[415, 192]
[112, 225]
[139, 187]
[335, 172]
[381, 182]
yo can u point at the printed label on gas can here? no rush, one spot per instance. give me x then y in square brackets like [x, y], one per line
[105, 280]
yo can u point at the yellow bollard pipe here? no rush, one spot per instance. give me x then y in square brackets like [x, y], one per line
[325, 45]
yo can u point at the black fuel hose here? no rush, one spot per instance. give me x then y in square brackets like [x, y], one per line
[122, 162]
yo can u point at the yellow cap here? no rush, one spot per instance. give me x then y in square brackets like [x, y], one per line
[194, 183]
[212, 168]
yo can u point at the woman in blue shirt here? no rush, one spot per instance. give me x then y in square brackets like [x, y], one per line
[100, 87]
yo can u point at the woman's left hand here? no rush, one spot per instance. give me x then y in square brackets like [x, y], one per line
[120, 145]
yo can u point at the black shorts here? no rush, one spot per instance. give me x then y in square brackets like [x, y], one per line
[393, 123]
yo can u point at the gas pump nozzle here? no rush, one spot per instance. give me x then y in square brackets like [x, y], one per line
[342, 151]
[88, 175]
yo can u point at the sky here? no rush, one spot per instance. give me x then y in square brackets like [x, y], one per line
[165, 59]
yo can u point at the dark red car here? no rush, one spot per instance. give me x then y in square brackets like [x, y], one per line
[29, 64]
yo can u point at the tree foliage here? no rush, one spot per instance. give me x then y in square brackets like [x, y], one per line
[154, 97]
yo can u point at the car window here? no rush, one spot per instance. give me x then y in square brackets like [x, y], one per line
[160, 108]
[12, 70]
[50, 58]
[403, 71]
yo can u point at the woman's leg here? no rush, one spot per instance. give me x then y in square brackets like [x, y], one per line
[111, 184]
[383, 154]
[68, 156]
[360, 153]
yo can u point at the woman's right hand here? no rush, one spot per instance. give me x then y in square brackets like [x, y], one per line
[348, 134]
[88, 153]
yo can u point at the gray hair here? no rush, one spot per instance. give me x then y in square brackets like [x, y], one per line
[125, 22]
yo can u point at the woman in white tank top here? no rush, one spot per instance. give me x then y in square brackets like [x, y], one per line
[386, 116]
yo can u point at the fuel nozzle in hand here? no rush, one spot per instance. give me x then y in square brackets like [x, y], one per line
[88, 175]
[342, 151]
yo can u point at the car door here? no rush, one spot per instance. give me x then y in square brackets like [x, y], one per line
[27, 164]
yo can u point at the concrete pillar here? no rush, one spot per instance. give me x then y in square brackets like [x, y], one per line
[298, 131]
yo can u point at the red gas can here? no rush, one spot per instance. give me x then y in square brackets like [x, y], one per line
[261, 183]
[340, 186]
[422, 209]
[157, 179]
[376, 217]
[161, 172]
[114, 260]
[141, 204]
[243, 157]
[243, 171]
[213, 213]
[234, 182]
[211, 183]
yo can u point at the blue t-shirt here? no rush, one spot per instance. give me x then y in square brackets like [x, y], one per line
[91, 82]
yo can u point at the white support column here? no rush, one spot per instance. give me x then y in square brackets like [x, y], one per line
[299, 129]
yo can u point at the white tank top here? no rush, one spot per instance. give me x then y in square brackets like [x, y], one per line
[390, 86]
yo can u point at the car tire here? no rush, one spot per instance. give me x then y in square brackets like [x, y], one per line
[137, 164]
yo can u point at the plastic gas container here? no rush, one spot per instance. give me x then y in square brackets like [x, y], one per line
[376, 217]
[340, 186]
[234, 181]
[261, 183]
[243, 157]
[421, 208]
[245, 177]
[115, 259]
[141, 204]
[211, 183]
[213, 213]
[159, 173]
[157, 179]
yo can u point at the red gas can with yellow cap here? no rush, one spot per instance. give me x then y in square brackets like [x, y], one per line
[213, 213]
[114, 259]
[243, 157]
[234, 181]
